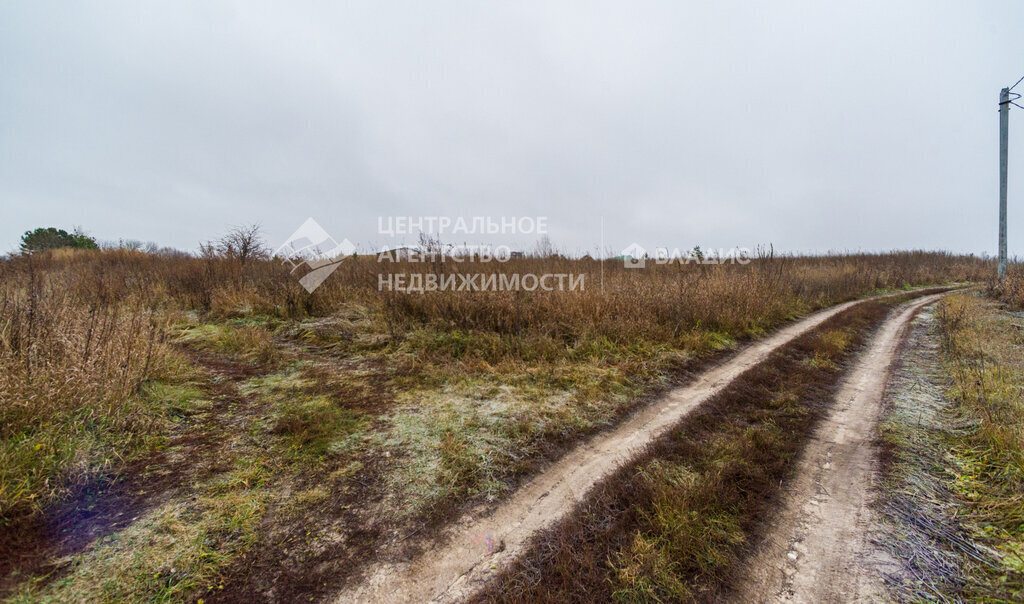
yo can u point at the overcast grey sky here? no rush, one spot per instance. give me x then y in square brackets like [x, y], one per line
[813, 125]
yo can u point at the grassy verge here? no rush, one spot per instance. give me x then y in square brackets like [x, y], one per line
[671, 525]
[955, 480]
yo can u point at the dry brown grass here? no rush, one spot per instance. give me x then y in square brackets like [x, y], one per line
[109, 358]
[82, 331]
[68, 368]
[1010, 290]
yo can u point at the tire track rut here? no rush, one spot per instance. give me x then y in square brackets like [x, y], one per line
[480, 543]
[820, 546]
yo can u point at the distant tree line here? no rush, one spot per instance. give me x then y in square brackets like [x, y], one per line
[242, 243]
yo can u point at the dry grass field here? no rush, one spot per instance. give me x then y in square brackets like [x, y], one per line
[177, 427]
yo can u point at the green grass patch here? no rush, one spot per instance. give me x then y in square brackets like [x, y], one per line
[43, 463]
[237, 338]
[170, 553]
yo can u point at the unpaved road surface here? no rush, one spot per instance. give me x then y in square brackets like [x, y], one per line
[480, 544]
[819, 547]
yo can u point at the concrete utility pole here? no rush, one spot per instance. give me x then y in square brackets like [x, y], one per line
[1004, 123]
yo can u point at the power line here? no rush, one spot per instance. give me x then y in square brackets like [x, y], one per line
[1018, 82]
[1012, 96]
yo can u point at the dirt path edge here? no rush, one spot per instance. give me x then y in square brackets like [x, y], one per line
[819, 546]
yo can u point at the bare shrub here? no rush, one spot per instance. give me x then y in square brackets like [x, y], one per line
[243, 243]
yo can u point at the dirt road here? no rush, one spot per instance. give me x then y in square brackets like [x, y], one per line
[819, 547]
[480, 544]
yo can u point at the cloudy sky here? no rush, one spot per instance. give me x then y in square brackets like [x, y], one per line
[812, 125]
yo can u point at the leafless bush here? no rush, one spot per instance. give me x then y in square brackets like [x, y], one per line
[244, 244]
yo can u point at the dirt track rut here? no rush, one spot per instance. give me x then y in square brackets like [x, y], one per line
[478, 545]
[819, 547]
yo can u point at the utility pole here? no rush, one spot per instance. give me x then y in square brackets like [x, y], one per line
[1004, 124]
